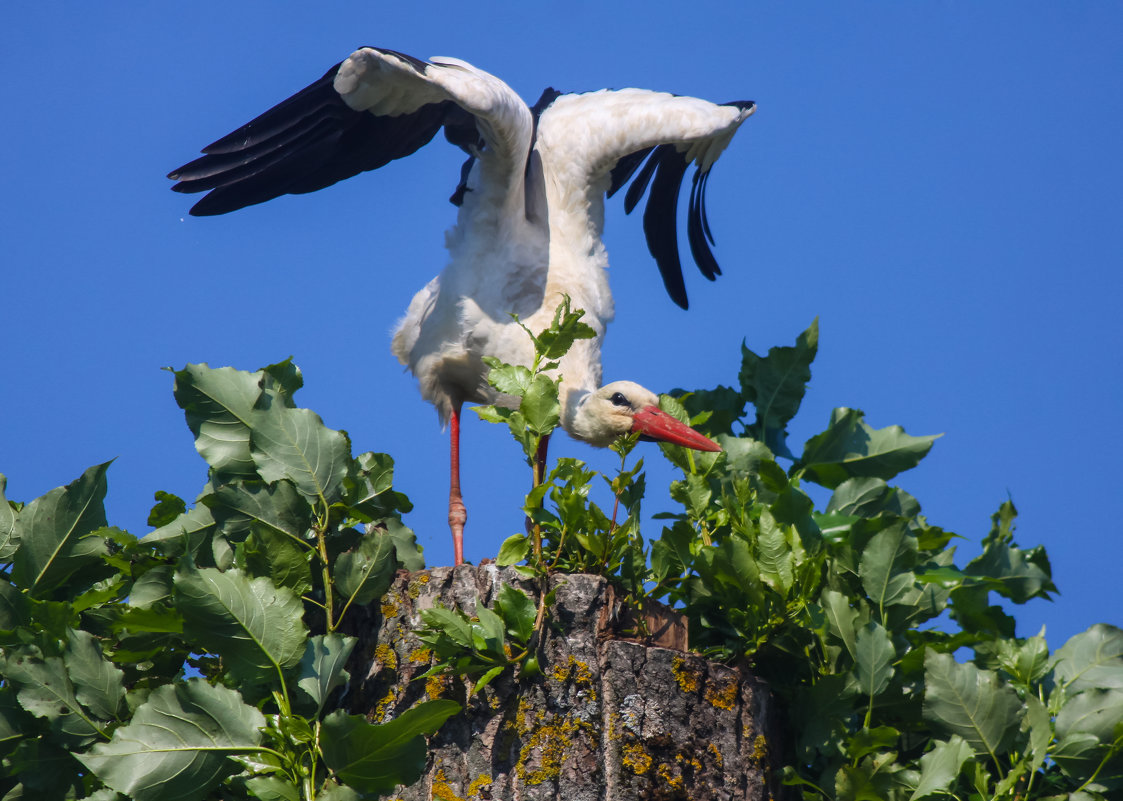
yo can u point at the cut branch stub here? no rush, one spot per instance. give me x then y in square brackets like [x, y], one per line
[606, 719]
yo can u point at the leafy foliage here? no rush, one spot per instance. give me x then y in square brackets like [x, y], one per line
[902, 676]
[853, 614]
[100, 631]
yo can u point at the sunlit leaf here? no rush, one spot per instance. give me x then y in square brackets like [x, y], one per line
[295, 444]
[254, 625]
[218, 405]
[58, 536]
[176, 746]
[1092, 659]
[9, 532]
[322, 667]
[940, 767]
[376, 758]
[850, 448]
[973, 703]
[775, 385]
[874, 655]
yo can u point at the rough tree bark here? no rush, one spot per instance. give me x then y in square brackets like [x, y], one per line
[608, 719]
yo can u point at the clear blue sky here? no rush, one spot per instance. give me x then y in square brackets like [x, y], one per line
[940, 183]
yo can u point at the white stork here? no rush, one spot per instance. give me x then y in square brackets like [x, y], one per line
[531, 213]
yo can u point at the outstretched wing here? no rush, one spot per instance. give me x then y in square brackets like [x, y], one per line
[377, 106]
[649, 139]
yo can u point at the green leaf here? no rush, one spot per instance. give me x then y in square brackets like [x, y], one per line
[369, 488]
[870, 497]
[14, 607]
[44, 689]
[1096, 712]
[973, 703]
[376, 758]
[510, 379]
[365, 571]
[176, 746]
[518, 611]
[322, 668]
[99, 685]
[1092, 659]
[539, 405]
[874, 659]
[843, 619]
[775, 384]
[513, 550]
[940, 767]
[274, 788]
[255, 626]
[238, 504]
[58, 534]
[168, 507]
[185, 534]
[278, 557]
[885, 565]
[487, 678]
[218, 405]
[9, 531]
[851, 448]
[774, 554]
[295, 444]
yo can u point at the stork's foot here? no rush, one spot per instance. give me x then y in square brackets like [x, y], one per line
[457, 517]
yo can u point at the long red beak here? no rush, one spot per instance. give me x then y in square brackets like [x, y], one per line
[654, 423]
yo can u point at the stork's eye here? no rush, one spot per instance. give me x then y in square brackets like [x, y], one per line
[619, 400]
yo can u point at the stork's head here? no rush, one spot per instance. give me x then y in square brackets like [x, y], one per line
[623, 407]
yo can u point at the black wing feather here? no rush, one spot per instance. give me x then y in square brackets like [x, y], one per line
[660, 219]
[305, 143]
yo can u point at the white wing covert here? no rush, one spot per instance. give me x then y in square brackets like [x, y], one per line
[377, 106]
[648, 139]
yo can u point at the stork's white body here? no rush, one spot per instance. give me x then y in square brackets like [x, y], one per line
[531, 211]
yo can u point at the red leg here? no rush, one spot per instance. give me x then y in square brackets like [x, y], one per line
[457, 514]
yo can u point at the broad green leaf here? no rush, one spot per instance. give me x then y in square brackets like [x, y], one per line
[218, 405]
[539, 405]
[368, 488]
[869, 497]
[875, 778]
[719, 409]
[153, 586]
[282, 379]
[885, 566]
[274, 788]
[843, 619]
[487, 678]
[176, 746]
[9, 531]
[776, 383]
[376, 758]
[99, 685]
[1092, 659]
[255, 626]
[1011, 572]
[1040, 727]
[868, 741]
[365, 571]
[406, 549]
[874, 660]
[185, 534]
[295, 444]
[850, 448]
[167, 508]
[973, 703]
[322, 668]
[513, 550]
[267, 552]
[58, 534]
[518, 611]
[1079, 755]
[236, 505]
[940, 767]
[14, 607]
[774, 554]
[44, 689]
[1096, 712]
[490, 628]
[510, 379]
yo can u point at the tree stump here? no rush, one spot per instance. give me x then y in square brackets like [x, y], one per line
[608, 719]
